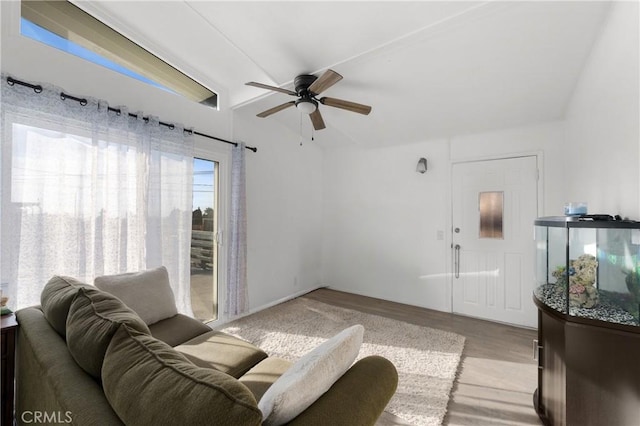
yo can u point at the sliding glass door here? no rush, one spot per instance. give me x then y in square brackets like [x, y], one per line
[204, 239]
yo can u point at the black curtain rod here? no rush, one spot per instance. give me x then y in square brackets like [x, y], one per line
[38, 89]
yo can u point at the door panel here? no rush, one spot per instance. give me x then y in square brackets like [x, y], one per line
[494, 205]
[512, 273]
[204, 240]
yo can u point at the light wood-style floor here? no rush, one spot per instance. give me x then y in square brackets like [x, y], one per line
[497, 375]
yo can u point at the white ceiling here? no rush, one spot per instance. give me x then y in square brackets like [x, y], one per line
[429, 68]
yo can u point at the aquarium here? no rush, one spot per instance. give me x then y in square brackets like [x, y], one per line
[589, 267]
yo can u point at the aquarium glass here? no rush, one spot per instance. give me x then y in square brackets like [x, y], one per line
[589, 269]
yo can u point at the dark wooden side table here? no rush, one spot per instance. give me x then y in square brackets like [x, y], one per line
[9, 334]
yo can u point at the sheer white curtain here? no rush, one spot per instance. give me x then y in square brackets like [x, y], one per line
[237, 292]
[87, 192]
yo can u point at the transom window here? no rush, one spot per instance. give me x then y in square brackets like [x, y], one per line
[65, 26]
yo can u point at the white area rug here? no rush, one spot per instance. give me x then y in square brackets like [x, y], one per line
[426, 359]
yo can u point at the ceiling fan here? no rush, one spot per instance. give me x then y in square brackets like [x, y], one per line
[308, 87]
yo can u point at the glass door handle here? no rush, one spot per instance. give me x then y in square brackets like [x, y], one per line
[456, 260]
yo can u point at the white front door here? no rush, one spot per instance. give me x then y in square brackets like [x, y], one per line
[494, 206]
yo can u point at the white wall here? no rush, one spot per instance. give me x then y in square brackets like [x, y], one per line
[284, 206]
[603, 135]
[381, 223]
[382, 219]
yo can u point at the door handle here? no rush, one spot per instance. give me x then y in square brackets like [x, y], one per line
[456, 260]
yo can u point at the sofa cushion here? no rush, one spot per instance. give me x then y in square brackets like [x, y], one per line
[264, 374]
[358, 397]
[94, 317]
[223, 352]
[310, 377]
[178, 329]
[56, 298]
[141, 371]
[148, 293]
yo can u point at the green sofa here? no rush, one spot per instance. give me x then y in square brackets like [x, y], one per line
[85, 358]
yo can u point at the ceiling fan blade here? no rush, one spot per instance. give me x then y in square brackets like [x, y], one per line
[326, 80]
[266, 86]
[275, 109]
[348, 105]
[316, 120]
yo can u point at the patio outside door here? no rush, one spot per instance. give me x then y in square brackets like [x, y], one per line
[494, 206]
[205, 239]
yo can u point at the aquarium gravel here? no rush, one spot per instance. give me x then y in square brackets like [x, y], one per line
[604, 311]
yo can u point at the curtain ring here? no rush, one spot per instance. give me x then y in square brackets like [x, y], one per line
[37, 89]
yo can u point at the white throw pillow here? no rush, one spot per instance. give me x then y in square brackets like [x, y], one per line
[310, 377]
[147, 293]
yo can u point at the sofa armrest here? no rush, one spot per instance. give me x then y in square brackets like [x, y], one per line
[358, 398]
[50, 382]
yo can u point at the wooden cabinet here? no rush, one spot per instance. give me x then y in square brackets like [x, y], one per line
[589, 371]
[9, 331]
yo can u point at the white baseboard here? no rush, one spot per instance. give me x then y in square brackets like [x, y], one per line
[223, 321]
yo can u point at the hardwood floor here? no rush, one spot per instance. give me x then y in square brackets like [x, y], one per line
[497, 375]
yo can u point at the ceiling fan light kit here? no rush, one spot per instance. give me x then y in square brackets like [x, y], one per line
[306, 106]
[307, 88]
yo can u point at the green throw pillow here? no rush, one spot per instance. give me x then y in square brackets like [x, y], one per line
[94, 317]
[56, 298]
[141, 371]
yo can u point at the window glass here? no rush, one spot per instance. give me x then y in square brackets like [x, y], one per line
[204, 247]
[491, 210]
[63, 25]
[35, 32]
